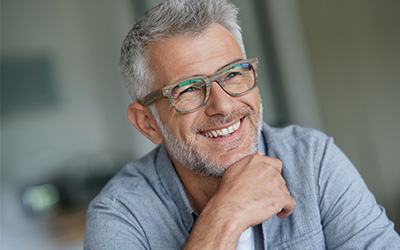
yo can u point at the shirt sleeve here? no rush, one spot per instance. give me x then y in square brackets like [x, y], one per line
[350, 216]
[110, 226]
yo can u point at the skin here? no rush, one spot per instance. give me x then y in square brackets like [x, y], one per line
[252, 189]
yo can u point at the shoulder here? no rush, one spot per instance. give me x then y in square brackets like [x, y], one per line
[119, 208]
[138, 180]
[296, 141]
[291, 133]
[136, 208]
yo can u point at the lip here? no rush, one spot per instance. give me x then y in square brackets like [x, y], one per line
[222, 133]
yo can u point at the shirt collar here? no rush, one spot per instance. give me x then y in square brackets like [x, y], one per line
[174, 187]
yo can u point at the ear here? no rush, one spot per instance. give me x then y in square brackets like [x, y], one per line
[142, 118]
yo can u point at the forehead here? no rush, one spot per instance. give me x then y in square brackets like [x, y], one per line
[173, 59]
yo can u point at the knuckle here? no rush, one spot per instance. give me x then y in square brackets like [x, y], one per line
[278, 163]
[269, 169]
[274, 162]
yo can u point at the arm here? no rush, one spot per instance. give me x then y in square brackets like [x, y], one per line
[251, 191]
[350, 216]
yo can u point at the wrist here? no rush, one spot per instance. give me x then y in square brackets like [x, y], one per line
[218, 227]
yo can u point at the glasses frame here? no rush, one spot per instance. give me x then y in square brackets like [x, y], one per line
[216, 77]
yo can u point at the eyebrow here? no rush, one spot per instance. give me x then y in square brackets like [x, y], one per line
[236, 60]
[188, 82]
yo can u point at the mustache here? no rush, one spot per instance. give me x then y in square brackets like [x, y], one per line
[213, 122]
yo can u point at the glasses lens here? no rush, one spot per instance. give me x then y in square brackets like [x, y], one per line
[239, 78]
[189, 95]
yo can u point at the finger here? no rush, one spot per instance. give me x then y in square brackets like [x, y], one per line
[288, 209]
[283, 214]
[273, 162]
[275, 172]
[284, 189]
[282, 180]
[279, 177]
[277, 164]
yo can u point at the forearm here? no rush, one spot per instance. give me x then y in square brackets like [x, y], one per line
[216, 228]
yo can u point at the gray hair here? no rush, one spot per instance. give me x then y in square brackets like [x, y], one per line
[172, 18]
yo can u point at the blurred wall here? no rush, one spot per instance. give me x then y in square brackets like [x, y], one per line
[83, 131]
[354, 51]
[87, 121]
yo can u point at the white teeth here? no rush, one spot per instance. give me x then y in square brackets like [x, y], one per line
[236, 125]
[222, 132]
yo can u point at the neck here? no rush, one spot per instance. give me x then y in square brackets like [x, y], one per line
[200, 188]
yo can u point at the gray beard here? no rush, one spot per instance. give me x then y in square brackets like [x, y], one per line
[191, 156]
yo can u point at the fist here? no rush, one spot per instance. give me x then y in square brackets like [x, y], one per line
[253, 190]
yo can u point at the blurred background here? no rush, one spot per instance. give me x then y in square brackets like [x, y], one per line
[331, 65]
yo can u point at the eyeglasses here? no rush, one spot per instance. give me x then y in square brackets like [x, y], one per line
[191, 94]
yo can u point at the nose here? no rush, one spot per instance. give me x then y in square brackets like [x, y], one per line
[219, 103]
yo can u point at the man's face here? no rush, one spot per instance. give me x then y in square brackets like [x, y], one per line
[187, 136]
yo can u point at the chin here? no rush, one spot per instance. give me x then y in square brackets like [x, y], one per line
[207, 165]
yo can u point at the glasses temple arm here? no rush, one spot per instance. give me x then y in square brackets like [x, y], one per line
[150, 98]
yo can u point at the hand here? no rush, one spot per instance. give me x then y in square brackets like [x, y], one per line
[253, 191]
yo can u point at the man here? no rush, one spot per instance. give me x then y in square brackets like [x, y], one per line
[221, 178]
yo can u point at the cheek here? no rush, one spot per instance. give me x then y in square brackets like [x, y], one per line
[256, 99]
[184, 124]
[256, 96]
[253, 100]
[166, 113]
[178, 124]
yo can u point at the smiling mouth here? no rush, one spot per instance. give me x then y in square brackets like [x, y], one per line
[218, 133]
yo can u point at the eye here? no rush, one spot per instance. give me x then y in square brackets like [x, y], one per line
[232, 75]
[188, 90]
[191, 87]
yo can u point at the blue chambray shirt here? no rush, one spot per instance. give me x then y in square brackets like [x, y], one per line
[145, 207]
